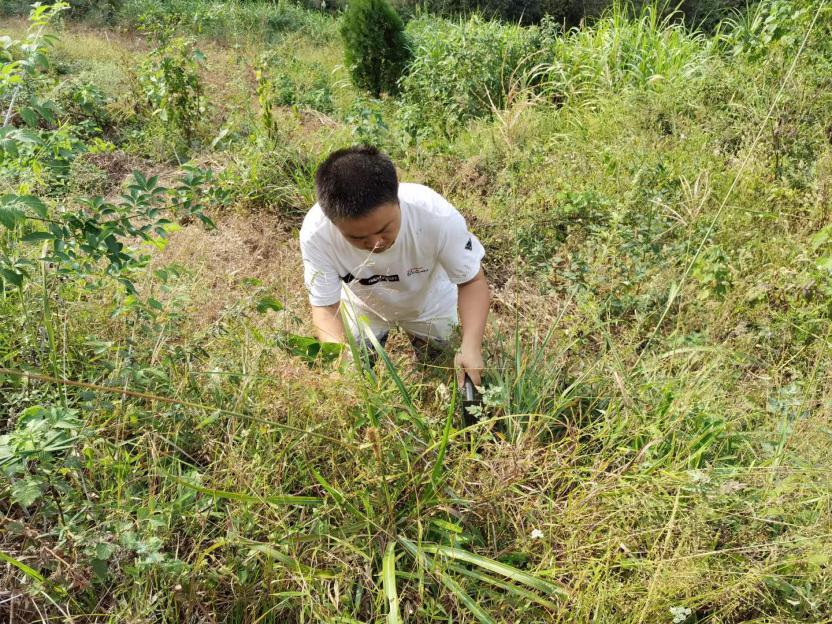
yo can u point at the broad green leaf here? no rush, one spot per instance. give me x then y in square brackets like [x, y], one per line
[37, 237]
[12, 277]
[29, 116]
[822, 237]
[104, 551]
[308, 348]
[25, 492]
[41, 60]
[269, 303]
[100, 568]
[388, 577]
[206, 221]
[9, 147]
[25, 135]
[11, 217]
[330, 351]
[45, 110]
[35, 204]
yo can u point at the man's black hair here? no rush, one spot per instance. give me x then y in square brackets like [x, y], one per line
[353, 182]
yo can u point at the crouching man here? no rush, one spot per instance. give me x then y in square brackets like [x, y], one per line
[392, 254]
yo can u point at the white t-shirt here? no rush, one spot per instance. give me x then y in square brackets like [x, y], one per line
[415, 279]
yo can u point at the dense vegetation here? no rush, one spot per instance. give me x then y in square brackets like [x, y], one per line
[656, 202]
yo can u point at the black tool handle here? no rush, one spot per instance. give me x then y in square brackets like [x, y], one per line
[470, 398]
[468, 389]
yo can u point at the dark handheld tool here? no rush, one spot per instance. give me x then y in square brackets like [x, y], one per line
[470, 398]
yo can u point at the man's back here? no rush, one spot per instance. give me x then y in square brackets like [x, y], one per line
[413, 279]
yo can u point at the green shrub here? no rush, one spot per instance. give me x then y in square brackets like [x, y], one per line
[172, 89]
[86, 177]
[302, 85]
[461, 70]
[290, 83]
[365, 117]
[81, 100]
[97, 172]
[376, 50]
[768, 27]
[95, 11]
[707, 14]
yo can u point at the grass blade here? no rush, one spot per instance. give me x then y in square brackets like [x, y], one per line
[247, 498]
[340, 499]
[503, 569]
[30, 572]
[436, 473]
[353, 345]
[525, 594]
[292, 564]
[477, 611]
[424, 430]
[391, 369]
[388, 577]
[426, 562]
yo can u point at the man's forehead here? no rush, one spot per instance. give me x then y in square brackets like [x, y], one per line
[371, 223]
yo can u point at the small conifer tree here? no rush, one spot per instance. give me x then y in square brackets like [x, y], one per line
[376, 49]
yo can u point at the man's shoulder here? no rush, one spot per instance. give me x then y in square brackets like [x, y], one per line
[315, 225]
[425, 200]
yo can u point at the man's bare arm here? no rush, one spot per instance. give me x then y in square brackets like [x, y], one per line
[328, 325]
[474, 302]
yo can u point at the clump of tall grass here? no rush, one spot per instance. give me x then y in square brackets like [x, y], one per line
[620, 51]
[470, 68]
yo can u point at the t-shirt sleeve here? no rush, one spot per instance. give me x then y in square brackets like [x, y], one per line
[460, 252]
[319, 275]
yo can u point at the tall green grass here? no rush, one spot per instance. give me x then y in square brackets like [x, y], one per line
[231, 22]
[620, 52]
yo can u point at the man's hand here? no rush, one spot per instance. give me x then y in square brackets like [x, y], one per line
[470, 362]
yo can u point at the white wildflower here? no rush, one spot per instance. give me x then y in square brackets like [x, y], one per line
[680, 614]
[536, 534]
[699, 476]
